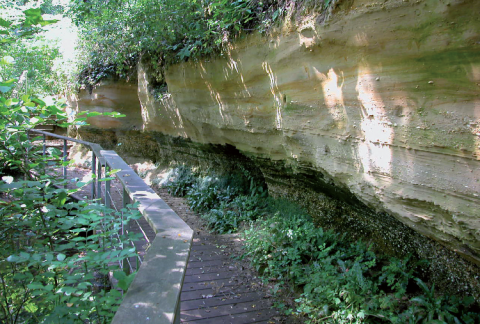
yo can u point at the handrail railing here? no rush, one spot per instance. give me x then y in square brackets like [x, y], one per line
[154, 294]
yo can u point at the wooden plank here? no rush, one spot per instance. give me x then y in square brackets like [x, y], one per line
[254, 309]
[209, 250]
[211, 269]
[208, 277]
[208, 263]
[202, 257]
[214, 284]
[220, 300]
[225, 291]
[245, 318]
[210, 246]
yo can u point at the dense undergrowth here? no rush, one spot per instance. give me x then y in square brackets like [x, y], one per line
[116, 34]
[56, 253]
[335, 280]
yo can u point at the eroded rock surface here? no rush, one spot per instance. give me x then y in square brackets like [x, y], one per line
[381, 102]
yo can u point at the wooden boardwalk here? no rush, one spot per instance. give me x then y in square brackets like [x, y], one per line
[219, 288]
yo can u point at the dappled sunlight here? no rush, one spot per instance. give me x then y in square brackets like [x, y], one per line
[161, 108]
[361, 39]
[475, 126]
[375, 152]
[215, 95]
[233, 65]
[169, 316]
[332, 94]
[278, 100]
[143, 88]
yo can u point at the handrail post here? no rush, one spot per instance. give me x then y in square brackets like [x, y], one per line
[65, 161]
[99, 183]
[44, 145]
[107, 189]
[125, 228]
[94, 173]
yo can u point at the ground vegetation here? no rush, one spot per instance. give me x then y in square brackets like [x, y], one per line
[333, 279]
[56, 252]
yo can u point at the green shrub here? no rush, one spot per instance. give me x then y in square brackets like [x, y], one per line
[342, 281]
[204, 194]
[339, 281]
[230, 217]
[179, 180]
[55, 253]
[226, 202]
[56, 256]
[283, 244]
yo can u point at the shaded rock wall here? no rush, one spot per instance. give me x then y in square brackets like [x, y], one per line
[380, 106]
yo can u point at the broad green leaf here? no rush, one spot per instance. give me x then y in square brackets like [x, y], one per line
[33, 12]
[39, 101]
[7, 86]
[13, 258]
[119, 275]
[44, 23]
[5, 23]
[35, 285]
[6, 60]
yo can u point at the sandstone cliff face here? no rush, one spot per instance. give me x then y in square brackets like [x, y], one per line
[382, 101]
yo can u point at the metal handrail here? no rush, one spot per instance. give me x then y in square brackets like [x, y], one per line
[95, 148]
[154, 294]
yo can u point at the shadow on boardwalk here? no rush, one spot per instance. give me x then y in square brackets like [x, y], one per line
[219, 288]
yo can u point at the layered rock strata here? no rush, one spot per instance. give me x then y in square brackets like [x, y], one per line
[379, 106]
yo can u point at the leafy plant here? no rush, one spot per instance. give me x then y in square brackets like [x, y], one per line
[342, 281]
[230, 217]
[56, 255]
[179, 180]
[433, 308]
[25, 56]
